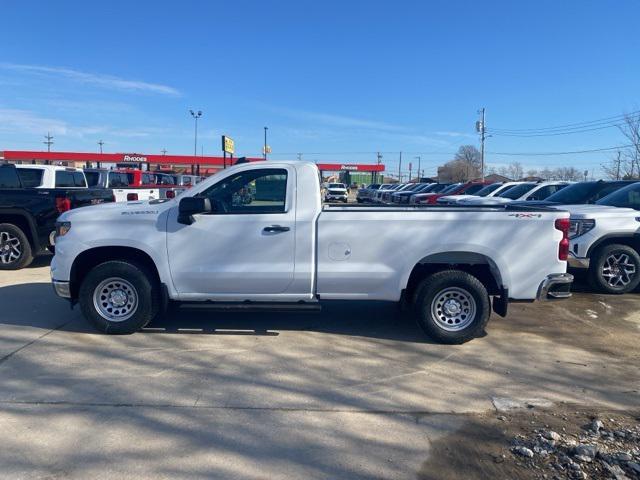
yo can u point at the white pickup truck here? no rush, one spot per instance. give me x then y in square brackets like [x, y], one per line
[125, 262]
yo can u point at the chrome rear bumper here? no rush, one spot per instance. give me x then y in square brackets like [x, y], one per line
[555, 287]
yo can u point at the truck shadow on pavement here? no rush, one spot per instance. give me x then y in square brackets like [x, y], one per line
[35, 305]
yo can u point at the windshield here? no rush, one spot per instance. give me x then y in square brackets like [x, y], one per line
[517, 191]
[451, 188]
[438, 187]
[488, 189]
[374, 186]
[628, 197]
[336, 185]
[576, 193]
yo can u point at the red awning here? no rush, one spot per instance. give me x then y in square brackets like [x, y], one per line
[119, 158]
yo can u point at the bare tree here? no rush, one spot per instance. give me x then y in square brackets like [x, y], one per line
[626, 163]
[465, 166]
[515, 170]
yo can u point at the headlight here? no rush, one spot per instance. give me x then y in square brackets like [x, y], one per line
[580, 227]
[62, 228]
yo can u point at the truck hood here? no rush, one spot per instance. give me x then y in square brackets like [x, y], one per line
[473, 200]
[593, 211]
[147, 209]
[455, 198]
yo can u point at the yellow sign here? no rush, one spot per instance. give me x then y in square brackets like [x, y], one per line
[228, 145]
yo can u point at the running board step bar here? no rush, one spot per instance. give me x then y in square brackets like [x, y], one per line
[252, 306]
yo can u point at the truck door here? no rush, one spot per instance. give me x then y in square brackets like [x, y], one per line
[246, 245]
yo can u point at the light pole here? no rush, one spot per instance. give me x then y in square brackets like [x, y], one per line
[264, 154]
[196, 116]
[419, 158]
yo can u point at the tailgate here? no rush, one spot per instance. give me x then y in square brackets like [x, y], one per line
[91, 196]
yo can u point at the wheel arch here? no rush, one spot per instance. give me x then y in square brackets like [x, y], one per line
[480, 265]
[630, 239]
[92, 257]
[23, 221]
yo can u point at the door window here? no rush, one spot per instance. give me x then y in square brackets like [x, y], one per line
[253, 191]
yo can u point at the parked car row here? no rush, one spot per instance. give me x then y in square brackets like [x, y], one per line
[604, 224]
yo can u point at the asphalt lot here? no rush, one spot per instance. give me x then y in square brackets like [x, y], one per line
[355, 391]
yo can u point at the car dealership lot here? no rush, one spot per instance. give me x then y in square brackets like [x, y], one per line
[355, 391]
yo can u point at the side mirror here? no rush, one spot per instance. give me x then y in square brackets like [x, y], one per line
[190, 206]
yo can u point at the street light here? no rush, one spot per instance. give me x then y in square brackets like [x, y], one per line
[264, 153]
[196, 116]
[418, 158]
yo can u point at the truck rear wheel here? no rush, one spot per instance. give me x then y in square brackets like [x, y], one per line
[15, 249]
[452, 306]
[119, 297]
[615, 269]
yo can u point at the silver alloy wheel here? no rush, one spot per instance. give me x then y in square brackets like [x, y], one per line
[618, 270]
[10, 248]
[453, 309]
[115, 299]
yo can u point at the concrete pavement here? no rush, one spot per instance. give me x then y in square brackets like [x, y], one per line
[355, 391]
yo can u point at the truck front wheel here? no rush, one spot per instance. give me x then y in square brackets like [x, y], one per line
[119, 297]
[15, 249]
[615, 269]
[452, 306]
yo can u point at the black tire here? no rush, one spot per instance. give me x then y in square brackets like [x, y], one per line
[52, 249]
[626, 282]
[15, 235]
[436, 290]
[146, 292]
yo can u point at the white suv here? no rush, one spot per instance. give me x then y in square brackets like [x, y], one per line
[605, 240]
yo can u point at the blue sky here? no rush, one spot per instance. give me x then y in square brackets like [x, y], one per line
[336, 80]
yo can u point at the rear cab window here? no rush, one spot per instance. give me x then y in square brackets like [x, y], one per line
[9, 177]
[70, 179]
[30, 177]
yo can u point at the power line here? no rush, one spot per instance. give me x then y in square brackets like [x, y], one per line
[594, 150]
[613, 120]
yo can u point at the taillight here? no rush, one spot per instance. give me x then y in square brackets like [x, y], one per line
[132, 197]
[563, 225]
[171, 194]
[63, 204]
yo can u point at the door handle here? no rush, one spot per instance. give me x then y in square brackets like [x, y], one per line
[275, 228]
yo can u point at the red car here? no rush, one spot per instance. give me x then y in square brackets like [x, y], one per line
[468, 188]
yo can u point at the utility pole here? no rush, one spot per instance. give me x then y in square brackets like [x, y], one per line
[164, 151]
[618, 165]
[299, 157]
[264, 153]
[379, 161]
[100, 144]
[418, 158]
[48, 143]
[400, 168]
[481, 129]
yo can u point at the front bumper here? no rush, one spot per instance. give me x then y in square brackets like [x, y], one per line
[62, 289]
[555, 287]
